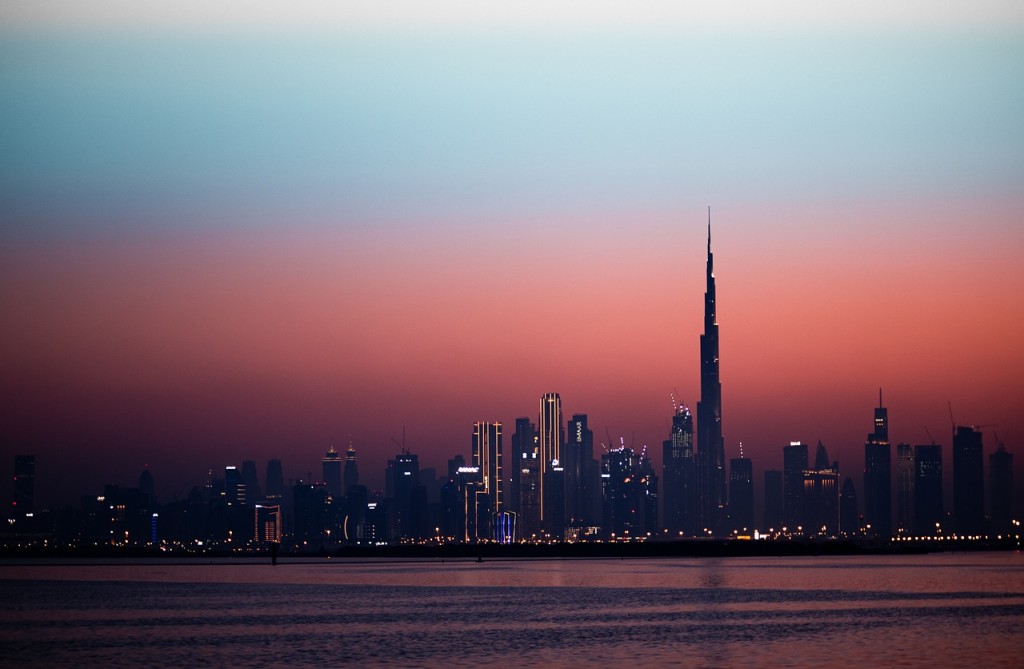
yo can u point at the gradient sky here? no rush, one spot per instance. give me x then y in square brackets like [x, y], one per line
[232, 231]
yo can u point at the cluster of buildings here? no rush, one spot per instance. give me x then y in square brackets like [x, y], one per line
[550, 485]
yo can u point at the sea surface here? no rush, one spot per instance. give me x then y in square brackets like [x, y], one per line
[940, 610]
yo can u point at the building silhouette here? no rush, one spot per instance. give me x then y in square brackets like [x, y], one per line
[878, 476]
[928, 509]
[552, 472]
[251, 480]
[620, 492]
[968, 482]
[582, 476]
[351, 474]
[526, 478]
[849, 521]
[820, 497]
[710, 443]
[679, 475]
[741, 495]
[275, 480]
[904, 488]
[331, 465]
[794, 462]
[22, 511]
[774, 503]
[1000, 477]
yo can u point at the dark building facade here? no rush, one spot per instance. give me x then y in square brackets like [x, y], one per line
[710, 443]
[928, 509]
[968, 482]
[679, 475]
[773, 500]
[878, 476]
[331, 465]
[1000, 477]
[904, 488]
[794, 462]
[741, 495]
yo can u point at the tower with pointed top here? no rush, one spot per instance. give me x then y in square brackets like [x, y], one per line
[878, 476]
[710, 444]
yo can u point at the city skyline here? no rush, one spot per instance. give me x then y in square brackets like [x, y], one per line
[224, 243]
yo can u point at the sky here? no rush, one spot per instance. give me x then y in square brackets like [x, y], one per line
[246, 231]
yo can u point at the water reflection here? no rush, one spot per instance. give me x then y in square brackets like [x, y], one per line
[932, 611]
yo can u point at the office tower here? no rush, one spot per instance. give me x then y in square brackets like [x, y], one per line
[904, 488]
[878, 477]
[710, 443]
[351, 476]
[821, 495]
[620, 494]
[647, 482]
[849, 523]
[310, 514]
[773, 500]
[741, 494]
[406, 503]
[487, 456]
[794, 462]
[23, 504]
[522, 444]
[1000, 476]
[356, 499]
[552, 504]
[251, 480]
[582, 474]
[968, 482]
[147, 485]
[275, 479]
[267, 523]
[679, 467]
[526, 477]
[234, 488]
[332, 472]
[928, 512]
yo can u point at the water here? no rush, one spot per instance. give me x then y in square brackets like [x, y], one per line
[950, 610]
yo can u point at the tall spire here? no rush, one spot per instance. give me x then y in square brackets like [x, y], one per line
[710, 444]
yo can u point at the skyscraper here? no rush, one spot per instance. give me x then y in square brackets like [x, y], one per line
[821, 495]
[928, 511]
[251, 480]
[710, 443]
[679, 467]
[878, 476]
[904, 488]
[487, 456]
[849, 524]
[1000, 474]
[773, 500]
[968, 482]
[332, 472]
[351, 475]
[620, 492]
[741, 495]
[552, 488]
[526, 477]
[23, 504]
[582, 474]
[794, 462]
[275, 479]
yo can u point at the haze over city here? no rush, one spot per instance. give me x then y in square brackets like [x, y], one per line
[227, 240]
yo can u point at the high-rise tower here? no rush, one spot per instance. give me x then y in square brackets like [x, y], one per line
[680, 474]
[878, 476]
[710, 444]
[552, 473]
[351, 475]
[332, 472]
